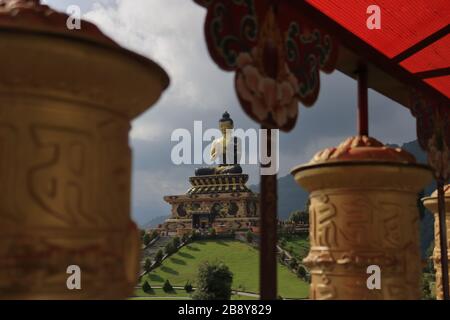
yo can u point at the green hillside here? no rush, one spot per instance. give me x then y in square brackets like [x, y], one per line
[242, 260]
[296, 244]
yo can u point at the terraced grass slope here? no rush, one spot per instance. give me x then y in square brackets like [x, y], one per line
[296, 245]
[242, 259]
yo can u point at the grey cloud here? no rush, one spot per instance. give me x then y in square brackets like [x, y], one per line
[171, 33]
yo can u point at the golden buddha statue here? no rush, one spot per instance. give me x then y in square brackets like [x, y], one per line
[222, 149]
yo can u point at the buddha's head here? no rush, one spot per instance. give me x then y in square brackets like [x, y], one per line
[225, 123]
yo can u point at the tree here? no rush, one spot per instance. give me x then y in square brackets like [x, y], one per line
[299, 217]
[146, 239]
[429, 267]
[427, 285]
[429, 276]
[167, 286]
[170, 248]
[146, 287]
[249, 236]
[159, 256]
[154, 234]
[176, 242]
[304, 217]
[213, 282]
[295, 216]
[188, 287]
[147, 265]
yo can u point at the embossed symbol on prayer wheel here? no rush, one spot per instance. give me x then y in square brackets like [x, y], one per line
[66, 102]
[363, 212]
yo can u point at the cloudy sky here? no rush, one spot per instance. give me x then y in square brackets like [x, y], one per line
[171, 33]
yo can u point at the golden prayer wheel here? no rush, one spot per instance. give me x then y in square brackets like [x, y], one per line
[66, 101]
[432, 204]
[363, 213]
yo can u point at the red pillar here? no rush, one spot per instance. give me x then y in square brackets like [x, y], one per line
[268, 241]
[363, 113]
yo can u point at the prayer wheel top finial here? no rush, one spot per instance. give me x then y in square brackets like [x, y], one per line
[31, 15]
[446, 192]
[6, 5]
[24, 20]
[362, 148]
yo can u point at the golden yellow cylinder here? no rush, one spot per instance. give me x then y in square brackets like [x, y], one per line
[65, 109]
[363, 213]
[432, 204]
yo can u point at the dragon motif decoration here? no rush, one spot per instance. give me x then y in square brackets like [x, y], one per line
[276, 60]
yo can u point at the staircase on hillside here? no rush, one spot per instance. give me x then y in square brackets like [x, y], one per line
[152, 249]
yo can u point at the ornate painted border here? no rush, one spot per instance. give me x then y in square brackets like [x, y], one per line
[277, 61]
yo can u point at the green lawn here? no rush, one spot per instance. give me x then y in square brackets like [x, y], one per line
[242, 260]
[177, 294]
[297, 245]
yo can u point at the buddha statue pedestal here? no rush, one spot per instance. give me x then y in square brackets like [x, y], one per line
[363, 212]
[66, 102]
[432, 204]
[222, 202]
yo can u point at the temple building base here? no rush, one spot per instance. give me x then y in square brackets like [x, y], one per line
[222, 202]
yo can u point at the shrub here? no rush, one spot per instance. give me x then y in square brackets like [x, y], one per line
[170, 248]
[146, 287]
[147, 265]
[195, 234]
[176, 242]
[158, 256]
[146, 239]
[167, 286]
[249, 236]
[214, 282]
[188, 287]
[212, 232]
[293, 264]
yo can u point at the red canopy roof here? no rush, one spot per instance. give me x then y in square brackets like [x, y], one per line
[413, 34]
